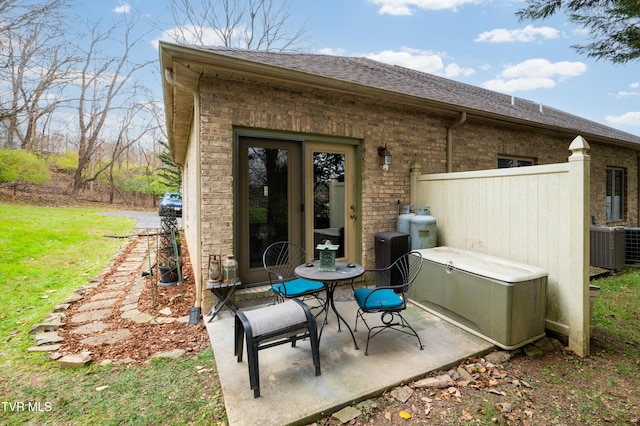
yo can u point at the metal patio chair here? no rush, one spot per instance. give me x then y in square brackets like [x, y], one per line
[280, 260]
[388, 297]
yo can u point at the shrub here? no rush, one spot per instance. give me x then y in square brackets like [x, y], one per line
[18, 167]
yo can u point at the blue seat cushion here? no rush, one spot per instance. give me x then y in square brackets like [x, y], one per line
[297, 287]
[380, 299]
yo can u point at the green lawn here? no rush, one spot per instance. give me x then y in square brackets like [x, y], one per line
[47, 253]
[44, 257]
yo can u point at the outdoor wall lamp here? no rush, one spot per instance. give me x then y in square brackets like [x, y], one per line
[385, 157]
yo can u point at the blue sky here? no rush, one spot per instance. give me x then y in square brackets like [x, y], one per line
[478, 42]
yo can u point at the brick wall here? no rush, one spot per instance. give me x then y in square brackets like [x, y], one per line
[602, 157]
[408, 133]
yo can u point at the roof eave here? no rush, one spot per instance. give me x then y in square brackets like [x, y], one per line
[213, 61]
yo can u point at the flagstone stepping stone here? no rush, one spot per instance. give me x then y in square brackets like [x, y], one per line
[119, 275]
[107, 338]
[106, 295]
[44, 348]
[91, 315]
[74, 360]
[38, 328]
[137, 316]
[93, 327]
[61, 307]
[73, 298]
[48, 337]
[174, 354]
[128, 307]
[346, 414]
[402, 394]
[100, 304]
[55, 317]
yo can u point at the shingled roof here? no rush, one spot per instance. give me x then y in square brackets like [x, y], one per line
[412, 83]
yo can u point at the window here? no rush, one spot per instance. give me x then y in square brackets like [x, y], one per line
[615, 194]
[507, 162]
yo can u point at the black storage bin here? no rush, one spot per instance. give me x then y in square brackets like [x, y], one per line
[389, 247]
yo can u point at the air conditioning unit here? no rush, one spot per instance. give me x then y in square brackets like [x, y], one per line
[607, 247]
[632, 245]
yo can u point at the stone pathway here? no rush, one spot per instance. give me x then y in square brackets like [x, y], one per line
[125, 280]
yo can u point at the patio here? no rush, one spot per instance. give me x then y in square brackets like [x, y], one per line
[292, 394]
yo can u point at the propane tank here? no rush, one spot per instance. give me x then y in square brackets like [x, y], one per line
[423, 229]
[404, 220]
[229, 270]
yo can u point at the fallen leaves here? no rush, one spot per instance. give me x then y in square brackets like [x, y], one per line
[441, 396]
[404, 415]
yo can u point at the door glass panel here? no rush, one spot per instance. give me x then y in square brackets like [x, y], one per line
[268, 199]
[328, 200]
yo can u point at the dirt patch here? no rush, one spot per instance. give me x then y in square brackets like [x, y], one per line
[553, 387]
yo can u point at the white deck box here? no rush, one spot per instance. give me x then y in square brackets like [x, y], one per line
[501, 301]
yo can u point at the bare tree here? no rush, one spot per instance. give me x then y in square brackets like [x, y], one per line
[249, 24]
[128, 135]
[33, 60]
[102, 80]
[20, 13]
[38, 74]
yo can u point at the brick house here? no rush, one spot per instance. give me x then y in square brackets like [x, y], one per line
[286, 146]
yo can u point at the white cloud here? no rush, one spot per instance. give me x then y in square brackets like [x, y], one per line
[518, 84]
[420, 60]
[534, 74]
[455, 70]
[635, 85]
[628, 119]
[544, 68]
[425, 60]
[526, 34]
[123, 8]
[331, 51]
[624, 94]
[406, 7]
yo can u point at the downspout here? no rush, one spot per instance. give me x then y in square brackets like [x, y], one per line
[461, 120]
[196, 311]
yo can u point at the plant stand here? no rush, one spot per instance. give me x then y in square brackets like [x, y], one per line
[168, 265]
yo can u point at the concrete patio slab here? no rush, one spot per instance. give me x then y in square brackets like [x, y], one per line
[290, 391]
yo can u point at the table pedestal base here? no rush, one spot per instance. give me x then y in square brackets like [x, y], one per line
[330, 288]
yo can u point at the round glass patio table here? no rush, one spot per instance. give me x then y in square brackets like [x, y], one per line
[345, 271]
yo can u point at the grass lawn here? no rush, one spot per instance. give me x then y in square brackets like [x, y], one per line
[44, 258]
[46, 254]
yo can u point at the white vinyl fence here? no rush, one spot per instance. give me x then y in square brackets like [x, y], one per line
[537, 215]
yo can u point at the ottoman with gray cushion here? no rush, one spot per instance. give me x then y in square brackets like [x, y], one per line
[270, 326]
